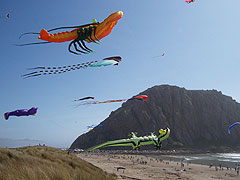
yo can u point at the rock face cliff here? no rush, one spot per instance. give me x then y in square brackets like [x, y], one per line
[197, 118]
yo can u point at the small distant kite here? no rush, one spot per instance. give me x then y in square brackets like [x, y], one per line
[94, 125]
[6, 16]
[92, 32]
[189, 1]
[163, 54]
[138, 98]
[229, 129]
[85, 98]
[21, 112]
[62, 69]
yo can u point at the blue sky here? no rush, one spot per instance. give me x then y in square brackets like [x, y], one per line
[200, 42]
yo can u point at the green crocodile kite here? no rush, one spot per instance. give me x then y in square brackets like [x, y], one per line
[136, 142]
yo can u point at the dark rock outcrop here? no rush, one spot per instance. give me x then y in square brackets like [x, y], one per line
[197, 119]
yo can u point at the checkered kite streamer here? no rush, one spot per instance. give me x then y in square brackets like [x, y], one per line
[62, 69]
[56, 70]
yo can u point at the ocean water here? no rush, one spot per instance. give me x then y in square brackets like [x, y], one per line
[225, 159]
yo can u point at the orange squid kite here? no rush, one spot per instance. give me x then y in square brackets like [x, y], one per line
[92, 32]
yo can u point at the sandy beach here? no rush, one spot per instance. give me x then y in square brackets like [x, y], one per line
[140, 167]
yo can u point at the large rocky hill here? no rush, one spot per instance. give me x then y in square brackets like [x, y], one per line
[197, 119]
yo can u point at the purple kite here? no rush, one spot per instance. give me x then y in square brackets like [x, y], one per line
[21, 112]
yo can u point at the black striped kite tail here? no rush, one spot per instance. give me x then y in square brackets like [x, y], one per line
[56, 70]
[47, 72]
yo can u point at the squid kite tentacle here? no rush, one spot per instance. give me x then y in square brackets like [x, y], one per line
[69, 49]
[88, 34]
[83, 46]
[83, 33]
[79, 32]
[56, 70]
[76, 48]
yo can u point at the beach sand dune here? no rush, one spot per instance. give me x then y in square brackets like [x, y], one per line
[141, 167]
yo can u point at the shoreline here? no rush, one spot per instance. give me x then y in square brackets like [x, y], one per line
[202, 159]
[161, 152]
[147, 167]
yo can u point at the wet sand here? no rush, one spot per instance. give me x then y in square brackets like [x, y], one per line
[140, 167]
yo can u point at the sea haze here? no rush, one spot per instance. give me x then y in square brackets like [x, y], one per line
[13, 143]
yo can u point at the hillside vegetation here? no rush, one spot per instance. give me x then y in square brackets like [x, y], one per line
[42, 162]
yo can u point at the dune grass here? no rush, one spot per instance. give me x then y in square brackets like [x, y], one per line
[42, 162]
